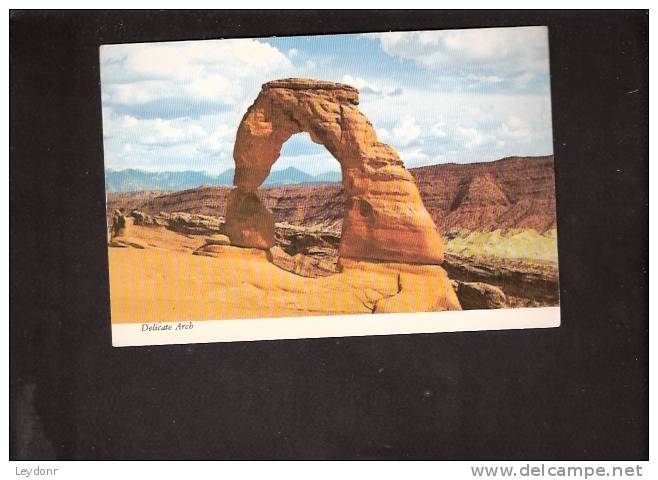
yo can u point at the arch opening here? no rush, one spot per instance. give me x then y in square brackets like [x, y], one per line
[304, 193]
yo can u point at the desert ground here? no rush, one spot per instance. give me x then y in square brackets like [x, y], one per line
[153, 284]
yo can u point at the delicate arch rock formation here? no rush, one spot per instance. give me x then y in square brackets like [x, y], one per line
[385, 218]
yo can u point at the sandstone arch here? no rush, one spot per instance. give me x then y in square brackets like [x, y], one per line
[385, 218]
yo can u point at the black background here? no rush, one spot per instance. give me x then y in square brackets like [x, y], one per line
[576, 392]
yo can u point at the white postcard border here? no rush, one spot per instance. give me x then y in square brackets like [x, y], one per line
[210, 331]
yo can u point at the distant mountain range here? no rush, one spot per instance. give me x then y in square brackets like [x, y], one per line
[132, 180]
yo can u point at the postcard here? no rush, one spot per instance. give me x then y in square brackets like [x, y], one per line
[333, 185]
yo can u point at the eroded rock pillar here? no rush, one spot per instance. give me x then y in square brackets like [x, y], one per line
[248, 222]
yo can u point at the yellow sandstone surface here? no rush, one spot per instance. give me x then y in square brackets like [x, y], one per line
[155, 284]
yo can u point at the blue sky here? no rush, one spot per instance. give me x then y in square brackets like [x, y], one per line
[435, 96]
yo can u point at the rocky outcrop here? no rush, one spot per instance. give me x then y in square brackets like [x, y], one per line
[212, 246]
[141, 218]
[116, 223]
[511, 193]
[311, 241]
[317, 206]
[384, 217]
[121, 232]
[479, 296]
[309, 266]
[305, 251]
[479, 201]
[170, 231]
[524, 283]
[190, 224]
[187, 223]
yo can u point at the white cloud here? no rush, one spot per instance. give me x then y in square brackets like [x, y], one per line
[216, 70]
[488, 55]
[406, 131]
[165, 132]
[383, 135]
[481, 117]
[477, 113]
[162, 132]
[134, 93]
[416, 157]
[521, 81]
[484, 78]
[514, 128]
[221, 139]
[368, 87]
[187, 60]
[474, 137]
[212, 86]
[360, 84]
[133, 131]
[438, 130]
[129, 121]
